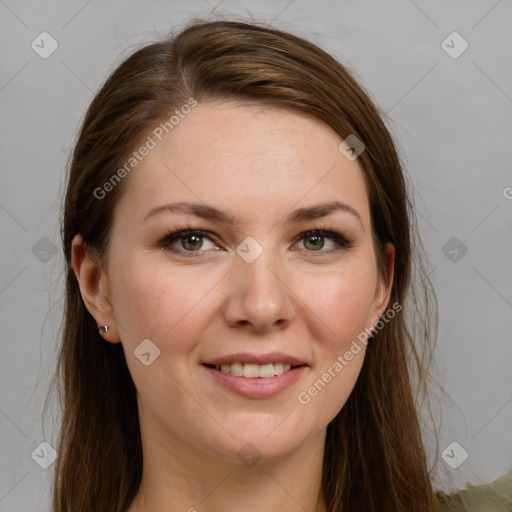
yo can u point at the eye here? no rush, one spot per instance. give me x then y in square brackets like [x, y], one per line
[187, 240]
[314, 241]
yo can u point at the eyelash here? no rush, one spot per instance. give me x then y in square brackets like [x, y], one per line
[342, 242]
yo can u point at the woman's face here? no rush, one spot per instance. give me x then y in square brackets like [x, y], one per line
[250, 287]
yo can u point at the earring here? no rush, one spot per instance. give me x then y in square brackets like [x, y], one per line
[103, 328]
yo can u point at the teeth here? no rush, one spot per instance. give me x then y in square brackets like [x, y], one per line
[265, 370]
[237, 369]
[252, 371]
[278, 368]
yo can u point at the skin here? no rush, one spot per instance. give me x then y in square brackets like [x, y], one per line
[296, 297]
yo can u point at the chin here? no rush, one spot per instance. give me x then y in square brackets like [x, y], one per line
[261, 435]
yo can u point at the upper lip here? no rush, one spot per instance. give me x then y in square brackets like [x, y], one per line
[260, 359]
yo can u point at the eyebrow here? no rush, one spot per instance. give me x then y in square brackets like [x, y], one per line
[211, 213]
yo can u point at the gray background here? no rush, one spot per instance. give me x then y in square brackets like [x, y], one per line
[452, 118]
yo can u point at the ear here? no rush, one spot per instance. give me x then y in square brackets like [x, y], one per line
[384, 286]
[93, 283]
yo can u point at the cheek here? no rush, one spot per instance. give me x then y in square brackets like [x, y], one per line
[166, 305]
[147, 302]
[342, 300]
[342, 304]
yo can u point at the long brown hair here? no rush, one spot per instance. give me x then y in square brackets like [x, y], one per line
[374, 456]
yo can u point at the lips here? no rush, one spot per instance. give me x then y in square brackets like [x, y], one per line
[256, 375]
[257, 388]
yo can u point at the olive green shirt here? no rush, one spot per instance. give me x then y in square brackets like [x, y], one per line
[492, 497]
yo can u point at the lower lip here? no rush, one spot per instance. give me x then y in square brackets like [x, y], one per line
[258, 387]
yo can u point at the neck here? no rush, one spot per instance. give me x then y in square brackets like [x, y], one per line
[178, 478]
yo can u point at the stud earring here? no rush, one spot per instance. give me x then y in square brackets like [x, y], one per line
[103, 329]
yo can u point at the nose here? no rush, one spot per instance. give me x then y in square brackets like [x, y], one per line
[260, 295]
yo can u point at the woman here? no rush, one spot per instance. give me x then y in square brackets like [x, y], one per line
[238, 328]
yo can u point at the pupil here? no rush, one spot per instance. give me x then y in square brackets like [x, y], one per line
[197, 239]
[318, 239]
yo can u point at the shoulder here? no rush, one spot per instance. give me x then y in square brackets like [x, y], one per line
[495, 496]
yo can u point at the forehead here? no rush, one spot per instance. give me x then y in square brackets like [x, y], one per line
[244, 159]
